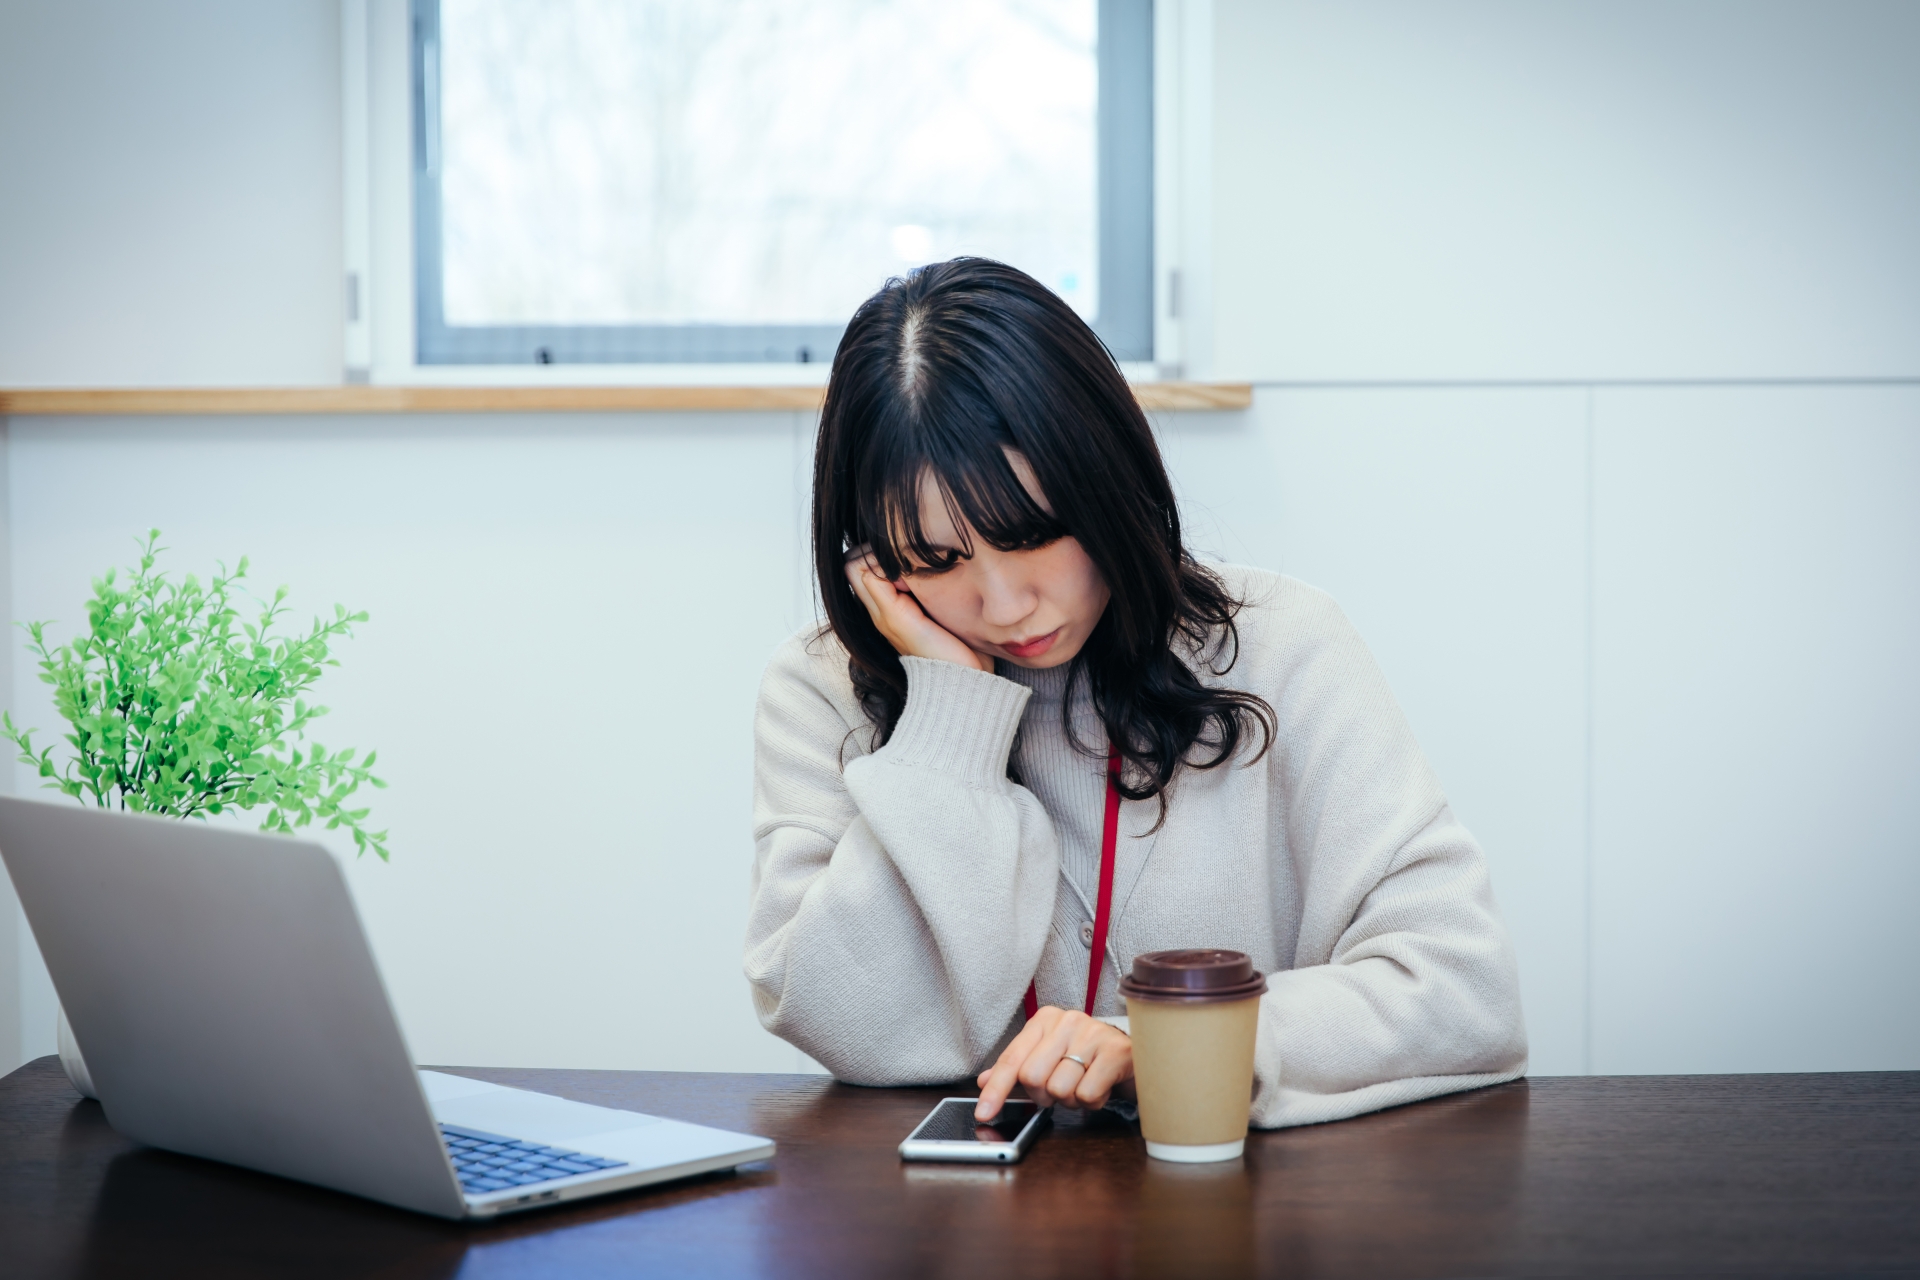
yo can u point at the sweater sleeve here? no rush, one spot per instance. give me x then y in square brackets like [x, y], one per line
[1403, 984]
[901, 901]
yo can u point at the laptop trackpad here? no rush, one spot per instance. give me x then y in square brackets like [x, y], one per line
[531, 1117]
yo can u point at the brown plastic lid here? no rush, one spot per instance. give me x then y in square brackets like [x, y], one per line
[1199, 976]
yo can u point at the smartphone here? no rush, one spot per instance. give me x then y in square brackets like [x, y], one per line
[951, 1133]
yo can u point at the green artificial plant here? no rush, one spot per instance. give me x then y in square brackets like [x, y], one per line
[180, 708]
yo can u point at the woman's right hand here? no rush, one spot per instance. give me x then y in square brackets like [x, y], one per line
[1102, 1064]
[903, 622]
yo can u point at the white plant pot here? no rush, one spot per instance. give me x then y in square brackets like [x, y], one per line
[70, 1058]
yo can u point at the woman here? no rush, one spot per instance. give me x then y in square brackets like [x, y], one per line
[1019, 645]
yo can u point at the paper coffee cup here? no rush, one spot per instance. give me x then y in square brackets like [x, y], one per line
[1192, 1016]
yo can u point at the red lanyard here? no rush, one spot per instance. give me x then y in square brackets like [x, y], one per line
[1109, 835]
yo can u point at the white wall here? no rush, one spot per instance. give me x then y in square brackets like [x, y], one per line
[1653, 636]
[1757, 824]
[1501, 189]
[13, 946]
[170, 199]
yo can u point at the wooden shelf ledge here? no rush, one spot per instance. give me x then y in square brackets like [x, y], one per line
[367, 399]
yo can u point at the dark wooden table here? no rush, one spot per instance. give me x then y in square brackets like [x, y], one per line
[1642, 1176]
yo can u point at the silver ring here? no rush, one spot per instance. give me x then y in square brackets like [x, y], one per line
[1074, 1057]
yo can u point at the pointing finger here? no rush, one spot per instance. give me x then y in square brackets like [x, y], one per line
[1000, 1079]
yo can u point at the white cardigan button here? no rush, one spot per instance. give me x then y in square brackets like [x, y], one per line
[1086, 935]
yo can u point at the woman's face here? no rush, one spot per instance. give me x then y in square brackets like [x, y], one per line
[1033, 608]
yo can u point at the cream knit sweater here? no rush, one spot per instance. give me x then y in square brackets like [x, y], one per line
[902, 898]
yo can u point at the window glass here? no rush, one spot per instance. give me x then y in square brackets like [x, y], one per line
[722, 180]
[756, 162]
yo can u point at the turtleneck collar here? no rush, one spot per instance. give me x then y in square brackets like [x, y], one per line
[1048, 685]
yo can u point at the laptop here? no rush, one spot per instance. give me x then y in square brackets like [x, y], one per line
[221, 989]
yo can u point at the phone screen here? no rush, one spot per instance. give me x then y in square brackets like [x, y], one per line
[952, 1121]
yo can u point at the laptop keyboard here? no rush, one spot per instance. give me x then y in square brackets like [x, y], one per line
[489, 1162]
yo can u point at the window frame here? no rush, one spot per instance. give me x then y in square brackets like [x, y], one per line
[1125, 221]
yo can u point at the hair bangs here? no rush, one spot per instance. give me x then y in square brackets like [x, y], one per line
[975, 480]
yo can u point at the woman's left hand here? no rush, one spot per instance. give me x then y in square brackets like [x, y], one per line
[1037, 1060]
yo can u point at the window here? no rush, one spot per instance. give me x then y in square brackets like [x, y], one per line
[656, 180]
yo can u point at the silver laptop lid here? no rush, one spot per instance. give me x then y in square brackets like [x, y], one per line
[222, 991]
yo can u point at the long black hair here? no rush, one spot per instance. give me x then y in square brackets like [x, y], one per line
[940, 373]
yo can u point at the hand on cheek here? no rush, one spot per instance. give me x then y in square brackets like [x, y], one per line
[904, 623]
